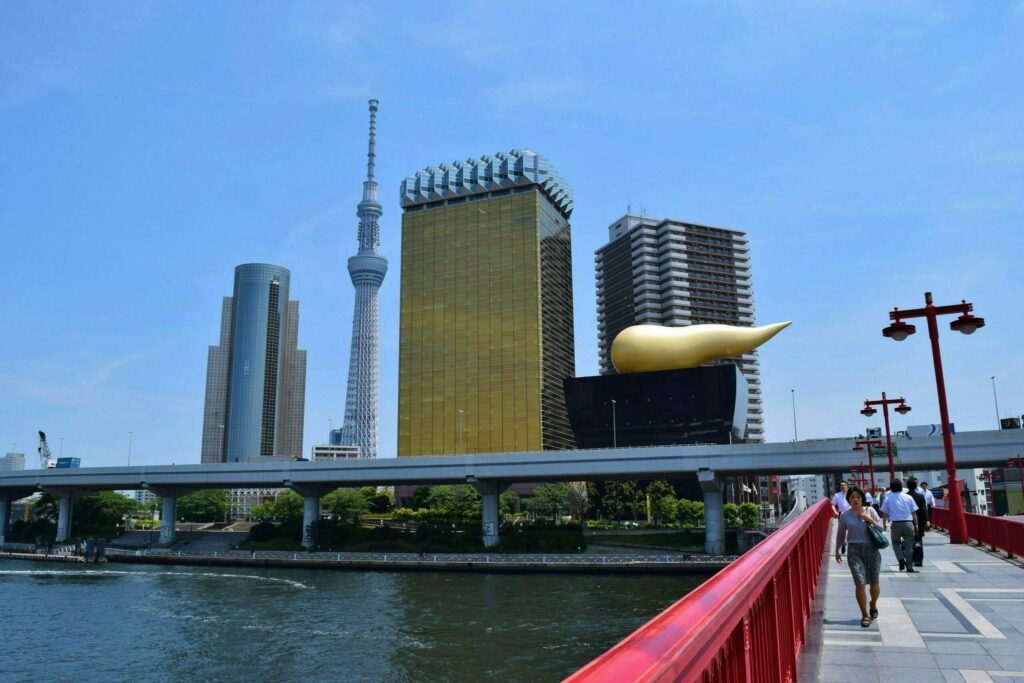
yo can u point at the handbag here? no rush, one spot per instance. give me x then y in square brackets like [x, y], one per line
[877, 536]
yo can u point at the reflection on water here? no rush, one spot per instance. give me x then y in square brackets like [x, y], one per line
[149, 623]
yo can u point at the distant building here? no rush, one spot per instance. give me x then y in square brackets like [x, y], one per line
[256, 377]
[241, 501]
[486, 307]
[335, 452]
[12, 462]
[676, 273]
[144, 497]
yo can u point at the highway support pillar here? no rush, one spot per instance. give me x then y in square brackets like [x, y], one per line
[490, 491]
[310, 514]
[168, 511]
[310, 509]
[5, 514]
[64, 517]
[714, 512]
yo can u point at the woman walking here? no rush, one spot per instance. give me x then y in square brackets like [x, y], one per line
[864, 558]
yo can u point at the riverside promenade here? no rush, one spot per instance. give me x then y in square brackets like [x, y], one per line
[960, 618]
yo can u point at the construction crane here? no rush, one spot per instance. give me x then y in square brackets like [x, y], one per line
[44, 452]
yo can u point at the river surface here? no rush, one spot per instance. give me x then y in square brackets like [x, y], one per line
[126, 622]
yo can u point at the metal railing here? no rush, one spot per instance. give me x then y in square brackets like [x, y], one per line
[998, 533]
[746, 623]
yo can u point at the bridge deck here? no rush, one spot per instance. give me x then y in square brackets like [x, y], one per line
[960, 619]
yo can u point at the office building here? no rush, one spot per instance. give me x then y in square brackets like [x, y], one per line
[334, 452]
[256, 377]
[675, 273]
[367, 270]
[486, 307]
[12, 462]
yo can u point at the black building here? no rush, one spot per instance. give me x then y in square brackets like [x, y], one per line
[670, 407]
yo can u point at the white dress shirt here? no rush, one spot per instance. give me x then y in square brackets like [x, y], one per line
[839, 500]
[928, 497]
[899, 507]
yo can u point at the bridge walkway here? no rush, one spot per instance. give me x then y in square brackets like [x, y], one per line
[960, 618]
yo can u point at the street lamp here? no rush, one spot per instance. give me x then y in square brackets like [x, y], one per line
[902, 408]
[130, 435]
[965, 324]
[859, 445]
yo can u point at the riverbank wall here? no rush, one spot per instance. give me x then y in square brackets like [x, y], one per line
[554, 563]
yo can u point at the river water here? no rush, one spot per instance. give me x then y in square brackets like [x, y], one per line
[158, 623]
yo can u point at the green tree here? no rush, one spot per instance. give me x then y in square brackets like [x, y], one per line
[690, 513]
[261, 512]
[507, 502]
[456, 503]
[379, 501]
[622, 499]
[346, 505]
[287, 507]
[666, 509]
[732, 515]
[421, 498]
[208, 505]
[98, 514]
[749, 516]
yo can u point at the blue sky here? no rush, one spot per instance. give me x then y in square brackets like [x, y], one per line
[871, 150]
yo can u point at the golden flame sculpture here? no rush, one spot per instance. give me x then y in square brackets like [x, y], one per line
[649, 348]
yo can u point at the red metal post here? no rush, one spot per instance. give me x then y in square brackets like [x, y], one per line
[888, 437]
[958, 523]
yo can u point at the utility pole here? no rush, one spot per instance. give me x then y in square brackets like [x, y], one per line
[792, 395]
[999, 425]
[130, 435]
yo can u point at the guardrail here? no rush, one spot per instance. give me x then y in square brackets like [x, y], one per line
[746, 623]
[996, 532]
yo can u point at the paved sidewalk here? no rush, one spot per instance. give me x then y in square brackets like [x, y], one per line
[960, 618]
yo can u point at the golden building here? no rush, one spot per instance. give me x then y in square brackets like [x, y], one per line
[486, 320]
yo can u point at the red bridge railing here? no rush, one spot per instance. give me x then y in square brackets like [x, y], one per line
[996, 532]
[746, 623]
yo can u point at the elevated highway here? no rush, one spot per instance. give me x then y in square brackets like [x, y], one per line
[491, 473]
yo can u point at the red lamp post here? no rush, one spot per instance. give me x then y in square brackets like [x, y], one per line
[859, 480]
[859, 445]
[902, 408]
[967, 323]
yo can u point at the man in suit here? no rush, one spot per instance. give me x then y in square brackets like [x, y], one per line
[923, 522]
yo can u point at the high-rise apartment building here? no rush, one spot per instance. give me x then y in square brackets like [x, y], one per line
[367, 270]
[12, 462]
[486, 319]
[256, 377]
[676, 273]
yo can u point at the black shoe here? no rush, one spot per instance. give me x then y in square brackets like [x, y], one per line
[919, 564]
[903, 565]
[910, 570]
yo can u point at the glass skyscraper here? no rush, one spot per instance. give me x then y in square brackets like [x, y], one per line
[256, 377]
[486, 307]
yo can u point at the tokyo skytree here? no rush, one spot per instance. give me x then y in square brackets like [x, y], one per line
[367, 270]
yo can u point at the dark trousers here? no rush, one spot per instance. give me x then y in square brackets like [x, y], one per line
[902, 534]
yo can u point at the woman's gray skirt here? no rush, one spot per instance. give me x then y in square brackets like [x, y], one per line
[865, 563]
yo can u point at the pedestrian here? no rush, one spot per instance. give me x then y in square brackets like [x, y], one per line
[928, 498]
[923, 519]
[839, 504]
[898, 510]
[863, 557]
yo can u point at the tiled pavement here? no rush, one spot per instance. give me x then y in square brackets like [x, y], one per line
[960, 618]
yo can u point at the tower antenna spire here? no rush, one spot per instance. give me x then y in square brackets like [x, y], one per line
[367, 270]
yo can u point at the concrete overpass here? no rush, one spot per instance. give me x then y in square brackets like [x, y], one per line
[491, 473]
